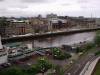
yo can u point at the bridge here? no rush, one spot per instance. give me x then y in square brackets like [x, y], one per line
[45, 35]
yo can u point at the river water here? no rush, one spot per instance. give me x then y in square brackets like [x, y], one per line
[59, 40]
[64, 39]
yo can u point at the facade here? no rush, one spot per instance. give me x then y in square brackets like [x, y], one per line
[18, 28]
[58, 24]
[81, 22]
[38, 25]
[50, 16]
[97, 22]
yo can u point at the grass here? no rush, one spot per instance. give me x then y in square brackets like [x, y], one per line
[97, 69]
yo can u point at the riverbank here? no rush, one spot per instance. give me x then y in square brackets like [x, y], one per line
[46, 35]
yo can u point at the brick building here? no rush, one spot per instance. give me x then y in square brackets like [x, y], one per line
[38, 24]
[81, 22]
[18, 28]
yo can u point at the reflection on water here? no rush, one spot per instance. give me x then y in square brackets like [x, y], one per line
[65, 39]
[57, 40]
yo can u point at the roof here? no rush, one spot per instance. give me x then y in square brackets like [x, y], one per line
[57, 20]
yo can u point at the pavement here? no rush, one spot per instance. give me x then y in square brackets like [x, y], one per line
[90, 68]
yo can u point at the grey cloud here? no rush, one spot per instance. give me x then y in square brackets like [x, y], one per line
[83, 1]
[35, 1]
[66, 4]
[19, 6]
[2, 0]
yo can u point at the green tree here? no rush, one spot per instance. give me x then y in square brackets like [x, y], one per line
[58, 54]
[43, 65]
[59, 70]
[97, 38]
[13, 71]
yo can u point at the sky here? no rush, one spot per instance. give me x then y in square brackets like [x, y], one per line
[29, 8]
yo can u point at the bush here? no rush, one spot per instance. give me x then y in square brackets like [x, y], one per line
[59, 70]
[85, 48]
[33, 70]
[97, 38]
[58, 54]
[13, 71]
[97, 53]
[42, 66]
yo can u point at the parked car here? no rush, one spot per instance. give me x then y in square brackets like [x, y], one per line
[18, 62]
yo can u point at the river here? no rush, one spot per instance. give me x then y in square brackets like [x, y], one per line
[64, 40]
[60, 40]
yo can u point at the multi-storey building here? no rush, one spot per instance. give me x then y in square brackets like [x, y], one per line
[18, 28]
[81, 22]
[39, 24]
[56, 22]
[97, 22]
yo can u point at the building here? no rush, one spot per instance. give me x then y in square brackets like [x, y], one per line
[38, 24]
[97, 22]
[81, 22]
[18, 28]
[58, 24]
[3, 26]
[50, 16]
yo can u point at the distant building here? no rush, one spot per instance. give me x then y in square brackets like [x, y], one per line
[50, 16]
[81, 22]
[57, 23]
[39, 24]
[97, 22]
[18, 28]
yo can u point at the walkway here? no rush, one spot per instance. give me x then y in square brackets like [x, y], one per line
[89, 67]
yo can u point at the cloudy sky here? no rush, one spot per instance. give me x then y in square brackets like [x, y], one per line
[60, 7]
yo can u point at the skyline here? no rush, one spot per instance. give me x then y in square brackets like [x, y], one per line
[29, 8]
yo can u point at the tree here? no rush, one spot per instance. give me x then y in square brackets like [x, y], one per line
[97, 38]
[59, 70]
[58, 54]
[43, 65]
[13, 71]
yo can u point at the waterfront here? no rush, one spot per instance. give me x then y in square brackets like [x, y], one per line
[56, 41]
[64, 40]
